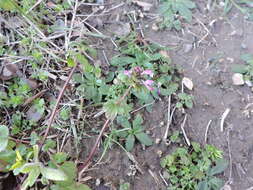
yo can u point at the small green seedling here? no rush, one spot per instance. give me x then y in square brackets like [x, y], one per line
[174, 12]
[174, 138]
[134, 132]
[185, 100]
[210, 182]
[194, 168]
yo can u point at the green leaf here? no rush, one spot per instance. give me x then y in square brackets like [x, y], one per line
[84, 62]
[31, 179]
[60, 157]
[170, 10]
[113, 108]
[167, 161]
[124, 186]
[69, 168]
[144, 139]
[4, 135]
[216, 183]
[247, 58]
[196, 146]
[28, 167]
[130, 142]
[34, 138]
[123, 121]
[65, 113]
[9, 5]
[240, 69]
[122, 61]
[221, 165]
[137, 121]
[49, 144]
[175, 137]
[70, 62]
[53, 174]
[203, 185]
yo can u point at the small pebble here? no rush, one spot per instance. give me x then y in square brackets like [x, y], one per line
[155, 27]
[159, 153]
[157, 141]
[238, 79]
[248, 83]
[243, 46]
[98, 181]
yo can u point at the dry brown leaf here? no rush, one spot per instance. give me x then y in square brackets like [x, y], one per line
[9, 71]
[33, 114]
[164, 54]
[187, 83]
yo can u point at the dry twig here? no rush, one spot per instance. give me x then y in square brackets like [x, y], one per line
[184, 133]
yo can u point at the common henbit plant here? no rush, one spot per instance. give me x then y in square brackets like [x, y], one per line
[134, 132]
[194, 168]
[141, 73]
[174, 12]
[24, 160]
[247, 69]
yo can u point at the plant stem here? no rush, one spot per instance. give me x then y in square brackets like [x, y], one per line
[51, 119]
[106, 124]
[237, 6]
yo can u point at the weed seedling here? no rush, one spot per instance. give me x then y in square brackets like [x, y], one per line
[134, 132]
[174, 12]
[194, 168]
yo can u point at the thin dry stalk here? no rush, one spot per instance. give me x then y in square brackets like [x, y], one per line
[184, 133]
[223, 117]
[29, 100]
[51, 119]
[168, 120]
[94, 148]
[71, 25]
[35, 5]
[207, 128]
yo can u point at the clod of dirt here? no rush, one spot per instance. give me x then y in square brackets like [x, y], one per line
[145, 6]
[187, 48]
[155, 27]
[226, 187]
[187, 83]
[31, 83]
[33, 114]
[123, 30]
[164, 53]
[238, 79]
[8, 71]
[248, 83]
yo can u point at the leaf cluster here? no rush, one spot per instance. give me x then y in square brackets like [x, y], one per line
[24, 160]
[194, 168]
[133, 132]
[174, 12]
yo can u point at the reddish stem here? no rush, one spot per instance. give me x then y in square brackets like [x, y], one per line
[51, 119]
[106, 124]
[92, 152]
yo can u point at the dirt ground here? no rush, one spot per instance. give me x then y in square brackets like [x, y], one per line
[206, 50]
